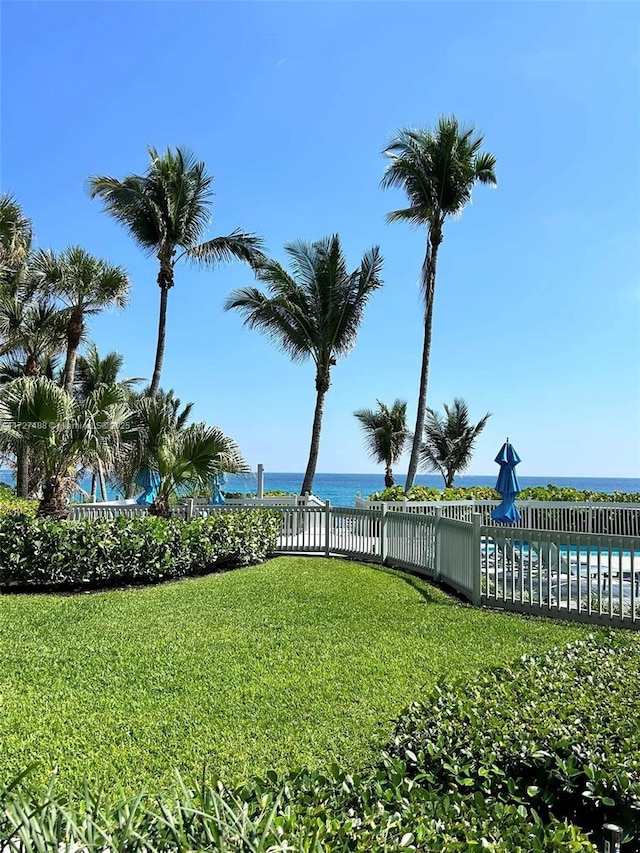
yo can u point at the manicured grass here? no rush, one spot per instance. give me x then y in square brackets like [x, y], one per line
[296, 661]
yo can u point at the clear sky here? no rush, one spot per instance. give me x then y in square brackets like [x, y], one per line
[537, 313]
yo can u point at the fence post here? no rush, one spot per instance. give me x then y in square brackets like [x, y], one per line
[476, 563]
[383, 532]
[189, 509]
[612, 838]
[327, 528]
[438, 543]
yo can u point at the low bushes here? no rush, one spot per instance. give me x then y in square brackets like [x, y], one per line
[531, 493]
[11, 505]
[46, 553]
[427, 493]
[531, 758]
[557, 733]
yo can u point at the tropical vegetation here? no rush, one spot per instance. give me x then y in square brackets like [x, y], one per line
[85, 285]
[312, 312]
[63, 434]
[448, 442]
[385, 434]
[437, 169]
[167, 212]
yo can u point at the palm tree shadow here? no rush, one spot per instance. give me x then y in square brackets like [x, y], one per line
[429, 590]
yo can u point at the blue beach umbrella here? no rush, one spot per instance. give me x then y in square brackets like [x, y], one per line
[508, 486]
[217, 481]
[149, 481]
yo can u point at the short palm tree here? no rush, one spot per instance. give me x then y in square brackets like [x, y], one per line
[314, 312]
[385, 434]
[63, 434]
[448, 441]
[152, 419]
[185, 461]
[85, 285]
[437, 169]
[167, 213]
[93, 371]
[32, 333]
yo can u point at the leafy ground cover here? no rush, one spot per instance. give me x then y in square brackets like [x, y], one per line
[294, 662]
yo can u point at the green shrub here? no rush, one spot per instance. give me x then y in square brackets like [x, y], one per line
[48, 553]
[531, 493]
[429, 493]
[567, 493]
[557, 733]
[307, 812]
[12, 505]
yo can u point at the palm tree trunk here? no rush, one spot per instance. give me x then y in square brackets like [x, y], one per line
[54, 503]
[103, 485]
[74, 336]
[429, 282]
[22, 472]
[165, 281]
[388, 477]
[322, 386]
[94, 483]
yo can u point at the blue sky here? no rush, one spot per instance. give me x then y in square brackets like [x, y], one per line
[537, 313]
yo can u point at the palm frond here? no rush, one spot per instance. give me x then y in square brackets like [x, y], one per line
[235, 246]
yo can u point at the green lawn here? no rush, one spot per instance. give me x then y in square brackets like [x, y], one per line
[297, 661]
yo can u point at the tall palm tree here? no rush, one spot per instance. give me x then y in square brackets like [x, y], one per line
[167, 213]
[85, 285]
[16, 233]
[448, 441]
[385, 434]
[314, 312]
[63, 434]
[437, 169]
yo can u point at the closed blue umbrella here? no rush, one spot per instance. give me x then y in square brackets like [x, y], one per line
[217, 481]
[149, 482]
[508, 486]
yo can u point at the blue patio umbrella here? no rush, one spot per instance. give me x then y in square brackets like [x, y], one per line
[508, 486]
[217, 481]
[149, 481]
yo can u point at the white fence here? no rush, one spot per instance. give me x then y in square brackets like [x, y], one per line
[568, 574]
[616, 519]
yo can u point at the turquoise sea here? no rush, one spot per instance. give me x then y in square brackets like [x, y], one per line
[340, 489]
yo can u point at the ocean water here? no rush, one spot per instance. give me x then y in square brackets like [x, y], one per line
[340, 489]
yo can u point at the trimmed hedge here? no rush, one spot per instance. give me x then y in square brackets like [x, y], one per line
[528, 759]
[52, 554]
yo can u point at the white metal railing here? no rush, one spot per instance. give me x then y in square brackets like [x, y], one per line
[91, 511]
[616, 519]
[593, 577]
[570, 575]
[410, 541]
[457, 543]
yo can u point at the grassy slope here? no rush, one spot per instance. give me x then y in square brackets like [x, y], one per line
[294, 661]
